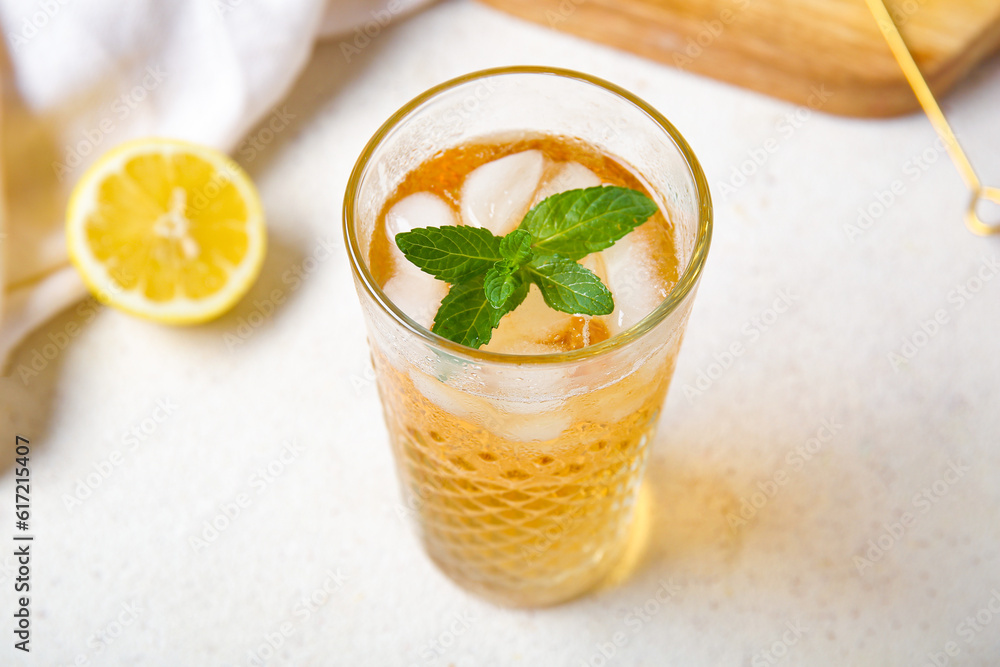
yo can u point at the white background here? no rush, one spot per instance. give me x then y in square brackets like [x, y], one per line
[302, 375]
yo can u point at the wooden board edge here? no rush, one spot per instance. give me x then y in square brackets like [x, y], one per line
[728, 61]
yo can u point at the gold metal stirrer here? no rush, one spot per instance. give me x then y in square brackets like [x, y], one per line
[938, 120]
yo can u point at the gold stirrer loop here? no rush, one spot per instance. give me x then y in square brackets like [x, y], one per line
[938, 120]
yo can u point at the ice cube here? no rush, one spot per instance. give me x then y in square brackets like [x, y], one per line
[566, 176]
[536, 427]
[533, 328]
[524, 421]
[416, 293]
[530, 405]
[451, 400]
[595, 262]
[422, 209]
[497, 195]
[634, 280]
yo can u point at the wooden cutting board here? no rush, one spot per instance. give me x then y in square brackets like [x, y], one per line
[790, 48]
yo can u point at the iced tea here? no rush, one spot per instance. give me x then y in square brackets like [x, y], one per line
[521, 460]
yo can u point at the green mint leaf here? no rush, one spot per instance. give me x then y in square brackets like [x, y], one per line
[451, 253]
[515, 299]
[468, 318]
[516, 247]
[569, 287]
[575, 223]
[465, 316]
[499, 283]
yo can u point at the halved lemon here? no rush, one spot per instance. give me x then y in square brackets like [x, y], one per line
[166, 230]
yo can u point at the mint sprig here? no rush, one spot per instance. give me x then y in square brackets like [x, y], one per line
[578, 222]
[490, 275]
[452, 254]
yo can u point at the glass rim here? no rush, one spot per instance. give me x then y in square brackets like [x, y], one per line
[685, 284]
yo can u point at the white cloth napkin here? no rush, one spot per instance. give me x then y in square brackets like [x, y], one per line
[79, 77]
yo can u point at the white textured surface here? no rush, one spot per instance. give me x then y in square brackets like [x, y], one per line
[256, 379]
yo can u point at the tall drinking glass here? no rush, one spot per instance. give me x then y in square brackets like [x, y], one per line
[522, 471]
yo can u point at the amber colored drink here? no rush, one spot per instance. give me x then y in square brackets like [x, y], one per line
[521, 461]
